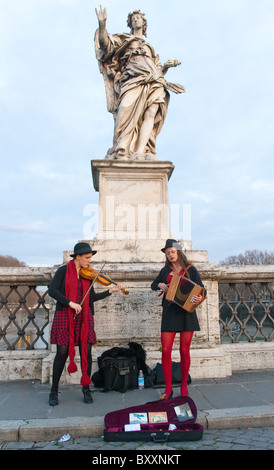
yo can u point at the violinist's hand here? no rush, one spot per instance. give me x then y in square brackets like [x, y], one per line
[115, 288]
[76, 307]
[163, 287]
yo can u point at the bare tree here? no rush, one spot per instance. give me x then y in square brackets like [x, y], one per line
[14, 296]
[251, 257]
[10, 261]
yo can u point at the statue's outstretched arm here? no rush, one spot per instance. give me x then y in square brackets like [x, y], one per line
[170, 63]
[103, 36]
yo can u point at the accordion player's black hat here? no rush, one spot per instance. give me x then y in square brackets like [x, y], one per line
[171, 243]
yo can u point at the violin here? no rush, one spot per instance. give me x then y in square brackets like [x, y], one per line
[90, 274]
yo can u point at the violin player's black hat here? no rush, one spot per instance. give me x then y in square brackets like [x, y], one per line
[82, 248]
[170, 243]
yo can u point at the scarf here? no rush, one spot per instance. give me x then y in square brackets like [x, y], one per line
[71, 286]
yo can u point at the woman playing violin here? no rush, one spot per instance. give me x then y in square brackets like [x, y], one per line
[73, 322]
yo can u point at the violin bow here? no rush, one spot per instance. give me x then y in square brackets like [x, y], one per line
[94, 280]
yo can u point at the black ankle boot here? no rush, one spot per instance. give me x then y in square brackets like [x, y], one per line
[53, 398]
[87, 395]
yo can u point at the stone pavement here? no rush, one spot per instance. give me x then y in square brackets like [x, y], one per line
[227, 408]
[225, 439]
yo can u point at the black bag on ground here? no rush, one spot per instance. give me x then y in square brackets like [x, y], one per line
[118, 368]
[120, 373]
[158, 375]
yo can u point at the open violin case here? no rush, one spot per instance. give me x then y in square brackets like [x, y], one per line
[158, 421]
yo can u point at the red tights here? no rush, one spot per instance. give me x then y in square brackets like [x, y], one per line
[167, 339]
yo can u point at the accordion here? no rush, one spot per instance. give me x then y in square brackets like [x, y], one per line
[181, 291]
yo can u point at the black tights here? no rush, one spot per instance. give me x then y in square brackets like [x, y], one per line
[60, 360]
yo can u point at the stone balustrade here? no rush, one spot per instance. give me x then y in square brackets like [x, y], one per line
[236, 319]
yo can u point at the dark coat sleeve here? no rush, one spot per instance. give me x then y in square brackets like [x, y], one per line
[93, 297]
[99, 295]
[57, 287]
[159, 278]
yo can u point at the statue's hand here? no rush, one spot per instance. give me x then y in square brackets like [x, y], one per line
[170, 63]
[102, 14]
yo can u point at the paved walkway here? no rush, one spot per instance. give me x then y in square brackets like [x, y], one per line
[225, 439]
[230, 405]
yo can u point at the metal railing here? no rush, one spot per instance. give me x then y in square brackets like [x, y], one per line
[246, 305]
[24, 308]
[24, 318]
[246, 312]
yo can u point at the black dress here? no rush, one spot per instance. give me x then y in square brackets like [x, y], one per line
[175, 318]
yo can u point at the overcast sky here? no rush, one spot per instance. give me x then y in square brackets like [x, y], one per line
[54, 121]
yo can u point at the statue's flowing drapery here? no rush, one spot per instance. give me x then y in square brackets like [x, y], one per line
[134, 81]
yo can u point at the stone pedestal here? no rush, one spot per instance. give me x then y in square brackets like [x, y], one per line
[134, 211]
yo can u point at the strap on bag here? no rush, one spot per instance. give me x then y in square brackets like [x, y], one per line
[189, 266]
[121, 372]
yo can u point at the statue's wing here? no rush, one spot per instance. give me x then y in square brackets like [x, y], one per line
[108, 78]
[112, 103]
[109, 67]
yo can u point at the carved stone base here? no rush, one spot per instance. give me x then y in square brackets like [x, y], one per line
[133, 199]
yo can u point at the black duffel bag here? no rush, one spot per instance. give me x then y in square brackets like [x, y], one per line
[119, 373]
[118, 369]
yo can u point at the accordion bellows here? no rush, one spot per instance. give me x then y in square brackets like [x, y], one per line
[181, 291]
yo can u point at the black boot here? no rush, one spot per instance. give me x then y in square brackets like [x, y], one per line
[87, 395]
[53, 398]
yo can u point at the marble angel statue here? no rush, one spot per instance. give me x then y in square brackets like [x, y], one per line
[136, 89]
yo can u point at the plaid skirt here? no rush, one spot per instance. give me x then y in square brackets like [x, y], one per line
[60, 325]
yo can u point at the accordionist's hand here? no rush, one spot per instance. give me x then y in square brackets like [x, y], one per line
[196, 299]
[163, 287]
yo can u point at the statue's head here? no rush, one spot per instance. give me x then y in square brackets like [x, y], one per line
[139, 13]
